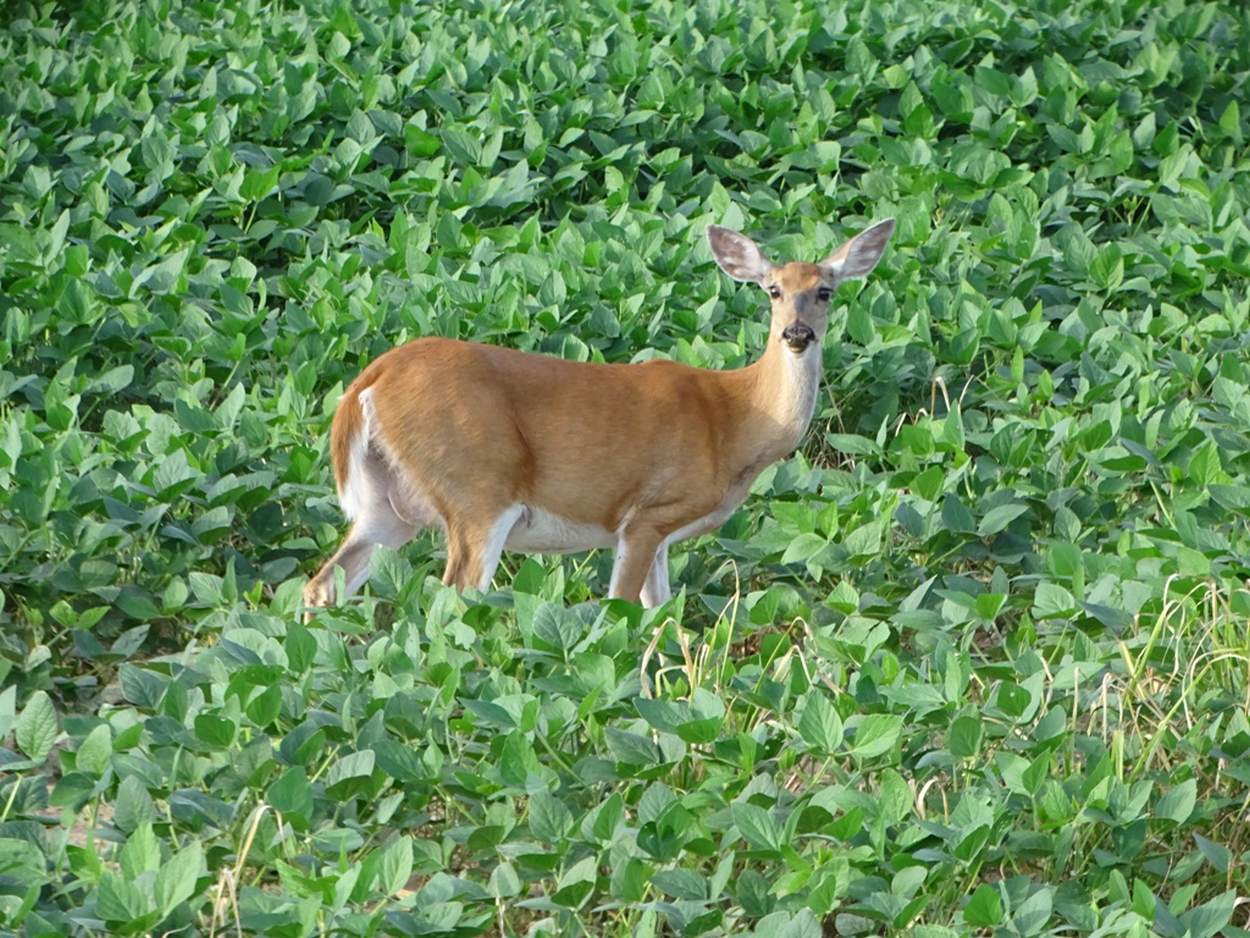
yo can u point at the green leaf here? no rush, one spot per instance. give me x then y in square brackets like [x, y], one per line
[1216, 854]
[865, 541]
[549, 819]
[292, 794]
[133, 806]
[956, 516]
[141, 853]
[400, 762]
[163, 276]
[22, 863]
[800, 924]
[997, 519]
[176, 879]
[985, 908]
[1053, 601]
[396, 865]
[964, 740]
[756, 826]
[115, 379]
[558, 627]
[517, 759]
[212, 730]
[119, 900]
[1178, 804]
[300, 648]
[421, 143]
[263, 709]
[681, 884]
[682, 720]
[142, 687]
[1211, 917]
[258, 183]
[804, 547]
[1031, 916]
[504, 881]
[95, 751]
[8, 710]
[876, 735]
[820, 726]
[37, 727]
[349, 768]
[575, 884]
[56, 236]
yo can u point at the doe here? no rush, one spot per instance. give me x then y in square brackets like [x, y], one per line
[509, 450]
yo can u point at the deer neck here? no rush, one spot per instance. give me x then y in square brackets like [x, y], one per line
[782, 399]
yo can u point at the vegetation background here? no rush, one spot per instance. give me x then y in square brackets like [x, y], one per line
[975, 660]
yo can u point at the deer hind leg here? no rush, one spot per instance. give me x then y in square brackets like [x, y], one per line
[475, 544]
[383, 514]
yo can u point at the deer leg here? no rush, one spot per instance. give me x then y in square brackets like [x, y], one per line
[377, 523]
[475, 546]
[636, 552]
[655, 589]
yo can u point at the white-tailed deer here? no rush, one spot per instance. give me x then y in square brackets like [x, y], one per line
[508, 450]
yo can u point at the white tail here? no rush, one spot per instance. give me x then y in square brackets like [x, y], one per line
[507, 450]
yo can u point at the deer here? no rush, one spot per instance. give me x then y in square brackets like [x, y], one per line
[509, 450]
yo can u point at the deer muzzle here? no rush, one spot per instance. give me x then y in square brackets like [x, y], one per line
[798, 336]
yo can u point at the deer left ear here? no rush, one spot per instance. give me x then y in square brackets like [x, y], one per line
[738, 255]
[860, 255]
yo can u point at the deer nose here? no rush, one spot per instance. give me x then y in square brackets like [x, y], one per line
[798, 336]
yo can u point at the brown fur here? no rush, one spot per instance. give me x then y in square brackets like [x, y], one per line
[467, 433]
[347, 420]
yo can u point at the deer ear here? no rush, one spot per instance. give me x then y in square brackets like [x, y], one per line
[860, 255]
[738, 255]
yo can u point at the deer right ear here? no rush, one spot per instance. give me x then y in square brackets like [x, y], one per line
[860, 255]
[737, 254]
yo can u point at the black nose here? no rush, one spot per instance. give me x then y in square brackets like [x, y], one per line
[798, 335]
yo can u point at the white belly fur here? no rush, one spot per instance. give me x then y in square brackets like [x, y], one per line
[541, 532]
[703, 525]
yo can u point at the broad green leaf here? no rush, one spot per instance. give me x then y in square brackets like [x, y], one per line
[756, 826]
[22, 862]
[350, 767]
[396, 865]
[985, 908]
[681, 884]
[37, 727]
[820, 726]
[876, 735]
[133, 806]
[997, 519]
[118, 900]
[1208, 919]
[549, 819]
[291, 794]
[141, 853]
[175, 881]
[964, 739]
[95, 751]
[1178, 803]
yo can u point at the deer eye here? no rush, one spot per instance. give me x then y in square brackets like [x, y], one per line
[774, 291]
[823, 294]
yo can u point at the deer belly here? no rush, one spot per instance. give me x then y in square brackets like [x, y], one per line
[541, 532]
[704, 525]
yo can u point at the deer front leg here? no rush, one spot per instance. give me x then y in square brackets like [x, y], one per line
[655, 590]
[636, 551]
